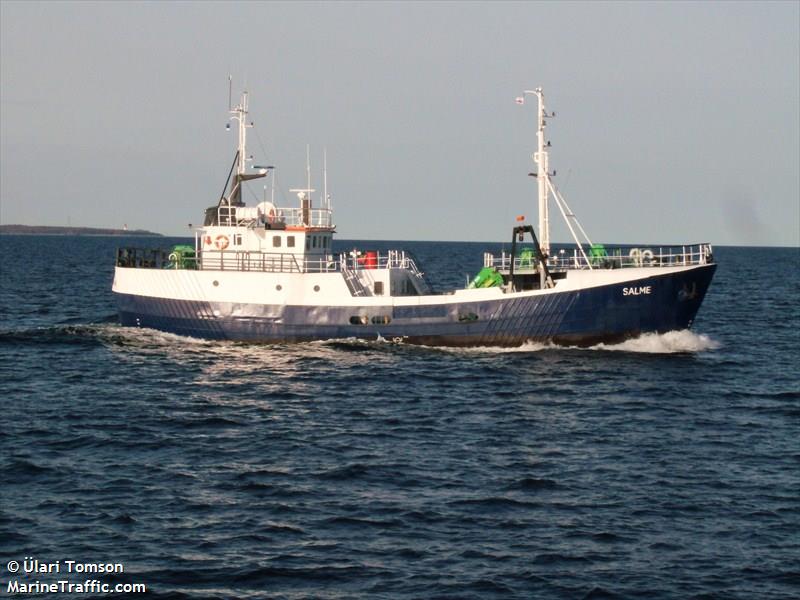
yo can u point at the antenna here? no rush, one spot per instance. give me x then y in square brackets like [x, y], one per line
[308, 167]
[274, 177]
[325, 178]
[230, 92]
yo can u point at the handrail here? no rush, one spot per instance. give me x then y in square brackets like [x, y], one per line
[246, 216]
[616, 258]
[270, 262]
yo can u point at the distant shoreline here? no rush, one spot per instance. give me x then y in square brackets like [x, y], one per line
[57, 230]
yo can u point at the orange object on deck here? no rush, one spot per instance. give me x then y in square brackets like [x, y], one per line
[371, 260]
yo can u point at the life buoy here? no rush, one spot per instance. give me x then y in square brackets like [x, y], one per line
[647, 257]
[221, 242]
[636, 257]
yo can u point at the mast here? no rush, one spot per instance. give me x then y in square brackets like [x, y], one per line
[239, 113]
[542, 161]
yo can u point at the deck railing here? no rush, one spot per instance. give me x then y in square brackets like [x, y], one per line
[607, 258]
[268, 262]
[246, 216]
[311, 217]
[143, 258]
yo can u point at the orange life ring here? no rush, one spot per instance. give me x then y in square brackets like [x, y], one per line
[221, 242]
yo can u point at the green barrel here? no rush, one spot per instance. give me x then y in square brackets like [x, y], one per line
[182, 257]
[597, 254]
[487, 277]
[526, 258]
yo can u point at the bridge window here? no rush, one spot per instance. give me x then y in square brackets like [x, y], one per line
[276, 241]
[381, 320]
[290, 241]
[359, 320]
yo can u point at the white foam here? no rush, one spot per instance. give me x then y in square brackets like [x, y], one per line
[151, 336]
[671, 342]
[526, 347]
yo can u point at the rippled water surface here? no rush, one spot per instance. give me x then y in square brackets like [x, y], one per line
[665, 467]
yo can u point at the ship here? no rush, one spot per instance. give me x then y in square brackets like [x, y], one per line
[264, 273]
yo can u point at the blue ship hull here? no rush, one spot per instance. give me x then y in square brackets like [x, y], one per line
[577, 317]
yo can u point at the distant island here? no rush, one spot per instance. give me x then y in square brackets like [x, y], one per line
[55, 230]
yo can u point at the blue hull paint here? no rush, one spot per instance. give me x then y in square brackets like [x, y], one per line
[580, 317]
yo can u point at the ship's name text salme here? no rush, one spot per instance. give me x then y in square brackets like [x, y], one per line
[637, 291]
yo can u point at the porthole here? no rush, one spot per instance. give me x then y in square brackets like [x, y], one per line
[279, 287]
[316, 288]
[381, 320]
[215, 283]
[359, 320]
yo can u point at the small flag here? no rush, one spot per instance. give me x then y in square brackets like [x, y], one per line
[520, 100]
[521, 218]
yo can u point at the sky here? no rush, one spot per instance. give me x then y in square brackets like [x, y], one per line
[675, 122]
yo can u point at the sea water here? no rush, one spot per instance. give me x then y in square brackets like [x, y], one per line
[664, 467]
